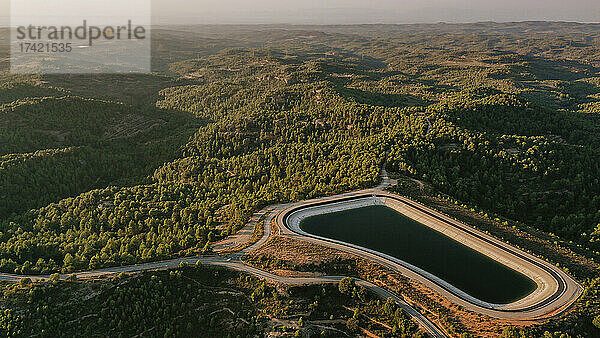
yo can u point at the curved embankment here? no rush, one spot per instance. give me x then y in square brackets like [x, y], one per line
[559, 300]
[555, 291]
[234, 261]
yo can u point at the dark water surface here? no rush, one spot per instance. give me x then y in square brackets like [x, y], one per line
[385, 230]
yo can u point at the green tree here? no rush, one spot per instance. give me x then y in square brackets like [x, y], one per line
[54, 278]
[346, 285]
[352, 324]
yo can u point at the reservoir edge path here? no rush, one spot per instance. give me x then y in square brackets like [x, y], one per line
[565, 289]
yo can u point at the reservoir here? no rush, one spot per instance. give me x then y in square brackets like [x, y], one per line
[387, 231]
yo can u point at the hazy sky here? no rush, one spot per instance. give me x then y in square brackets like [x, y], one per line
[363, 11]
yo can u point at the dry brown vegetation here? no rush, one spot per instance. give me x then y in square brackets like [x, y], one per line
[297, 253]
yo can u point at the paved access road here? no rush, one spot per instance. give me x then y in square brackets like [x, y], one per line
[556, 289]
[234, 261]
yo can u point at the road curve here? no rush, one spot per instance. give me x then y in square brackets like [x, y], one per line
[234, 261]
[555, 292]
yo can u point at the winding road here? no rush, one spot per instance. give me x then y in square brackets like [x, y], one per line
[558, 290]
[234, 261]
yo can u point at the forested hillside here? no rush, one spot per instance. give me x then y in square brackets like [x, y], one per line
[192, 301]
[109, 170]
[309, 114]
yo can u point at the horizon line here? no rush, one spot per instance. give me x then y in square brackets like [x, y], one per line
[369, 24]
